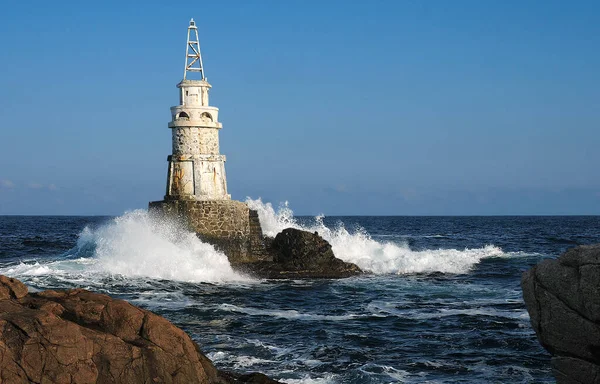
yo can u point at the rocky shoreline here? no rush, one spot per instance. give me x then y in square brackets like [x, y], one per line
[563, 300]
[77, 336]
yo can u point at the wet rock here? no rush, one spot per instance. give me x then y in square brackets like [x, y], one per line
[250, 378]
[563, 300]
[300, 254]
[76, 336]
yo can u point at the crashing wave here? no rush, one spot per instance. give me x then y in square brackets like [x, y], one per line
[371, 255]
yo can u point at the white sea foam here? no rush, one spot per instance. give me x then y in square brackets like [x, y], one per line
[515, 314]
[378, 257]
[286, 314]
[136, 245]
[273, 221]
[328, 379]
[392, 372]
[238, 361]
[272, 349]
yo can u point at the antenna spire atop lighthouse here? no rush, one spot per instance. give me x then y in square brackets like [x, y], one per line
[193, 58]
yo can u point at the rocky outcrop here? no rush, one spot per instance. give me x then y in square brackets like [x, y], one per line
[234, 229]
[299, 254]
[563, 300]
[76, 336]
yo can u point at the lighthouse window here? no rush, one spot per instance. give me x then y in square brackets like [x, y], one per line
[183, 116]
[206, 116]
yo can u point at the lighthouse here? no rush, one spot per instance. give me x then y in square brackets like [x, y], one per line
[196, 168]
[196, 192]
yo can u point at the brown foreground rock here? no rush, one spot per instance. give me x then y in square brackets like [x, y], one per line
[76, 336]
[299, 254]
[563, 300]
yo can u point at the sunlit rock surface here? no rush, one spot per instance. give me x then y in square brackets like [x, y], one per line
[76, 336]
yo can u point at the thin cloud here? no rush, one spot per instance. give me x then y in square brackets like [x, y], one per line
[38, 186]
[4, 183]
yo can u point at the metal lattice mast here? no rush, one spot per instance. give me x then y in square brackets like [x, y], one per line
[193, 58]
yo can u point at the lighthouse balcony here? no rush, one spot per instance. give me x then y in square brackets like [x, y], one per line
[194, 123]
[195, 112]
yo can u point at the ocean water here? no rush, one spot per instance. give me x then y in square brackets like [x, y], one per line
[442, 302]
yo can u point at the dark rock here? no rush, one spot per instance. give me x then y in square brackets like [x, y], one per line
[76, 336]
[234, 229]
[563, 300]
[296, 249]
[300, 254]
[573, 370]
[250, 378]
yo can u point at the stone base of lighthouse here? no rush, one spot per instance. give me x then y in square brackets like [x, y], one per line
[229, 225]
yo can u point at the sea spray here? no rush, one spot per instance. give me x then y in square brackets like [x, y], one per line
[273, 221]
[137, 245]
[371, 255]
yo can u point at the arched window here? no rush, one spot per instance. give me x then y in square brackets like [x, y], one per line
[206, 116]
[183, 116]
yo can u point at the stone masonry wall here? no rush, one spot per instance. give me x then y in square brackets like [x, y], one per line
[208, 139]
[219, 218]
[225, 219]
[222, 223]
[185, 141]
[258, 248]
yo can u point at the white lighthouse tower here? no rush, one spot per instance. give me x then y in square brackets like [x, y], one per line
[196, 185]
[196, 168]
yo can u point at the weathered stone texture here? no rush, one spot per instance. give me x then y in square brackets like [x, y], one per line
[300, 254]
[222, 223]
[258, 242]
[209, 141]
[76, 336]
[11, 288]
[209, 178]
[196, 169]
[186, 141]
[195, 141]
[563, 300]
[218, 218]
[234, 229]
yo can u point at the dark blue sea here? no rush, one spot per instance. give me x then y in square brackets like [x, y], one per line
[442, 303]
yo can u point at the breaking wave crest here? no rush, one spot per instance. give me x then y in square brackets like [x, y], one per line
[371, 255]
[137, 245]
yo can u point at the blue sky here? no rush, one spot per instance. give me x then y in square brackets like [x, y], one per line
[341, 107]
